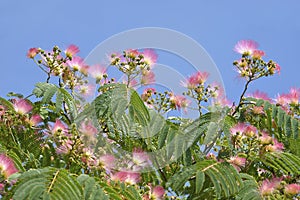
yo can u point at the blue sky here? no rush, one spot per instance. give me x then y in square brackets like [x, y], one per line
[216, 25]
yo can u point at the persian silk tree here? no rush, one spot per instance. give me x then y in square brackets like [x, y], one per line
[126, 145]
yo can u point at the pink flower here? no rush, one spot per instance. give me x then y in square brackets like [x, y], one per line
[35, 119]
[269, 186]
[292, 189]
[258, 110]
[107, 161]
[286, 100]
[219, 97]
[147, 78]
[260, 95]
[86, 90]
[237, 162]
[275, 147]
[127, 177]
[77, 64]
[294, 96]
[59, 127]
[132, 52]
[65, 147]
[246, 47]
[32, 52]
[7, 166]
[238, 129]
[140, 158]
[87, 128]
[71, 50]
[257, 54]
[265, 138]
[133, 82]
[250, 131]
[277, 68]
[97, 72]
[150, 57]
[196, 79]
[179, 101]
[22, 106]
[157, 193]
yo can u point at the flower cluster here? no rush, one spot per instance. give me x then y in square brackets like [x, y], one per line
[252, 66]
[7, 168]
[69, 68]
[136, 64]
[278, 185]
[164, 102]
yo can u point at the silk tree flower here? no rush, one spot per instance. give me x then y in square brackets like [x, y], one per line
[147, 77]
[98, 72]
[130, 178]
[86, 90]
[237, 162]
[150, 57]
[133, 82]
[22, 106]
[7, 166]
[238, 129]
[65, 147]
[71, 50]
[87, 128]
[218, 96]
[275, 147]
[260, 95]
[107, 161]
[265, 138]
[59, 127]
[269, 186]
[277, 69]
[140, 158]
[292, 97]
[77, 64]
[196, 79]
[246, 47]
[179, 101]
[88, 157]
[292, 189]
[32, 52]
[257, 54]
[156, 193]
[258, 110]
[132, 52]
[35, 120]
[250, 131]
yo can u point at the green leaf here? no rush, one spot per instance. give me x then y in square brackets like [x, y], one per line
[91, 189]
[49, 92]
[6, 103]
[139, 111]
[223, 176]
[47, 183]
[200, 178]
[286, 162]
[212, 132]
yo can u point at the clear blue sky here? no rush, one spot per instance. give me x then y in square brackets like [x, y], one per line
[216, 25]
